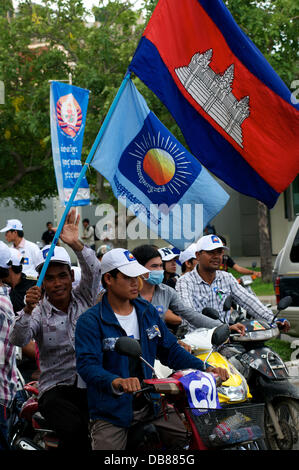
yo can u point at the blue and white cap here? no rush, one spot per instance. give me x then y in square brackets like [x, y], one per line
[60, 255]
[167, 254]
[209, 243]
[124, 261]
[12, 224]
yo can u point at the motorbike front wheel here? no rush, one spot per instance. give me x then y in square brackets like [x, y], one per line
[287, 412]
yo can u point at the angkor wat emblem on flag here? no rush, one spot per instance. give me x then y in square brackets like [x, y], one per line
[213, 92]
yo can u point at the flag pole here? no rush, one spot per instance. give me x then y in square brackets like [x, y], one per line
[80, 177]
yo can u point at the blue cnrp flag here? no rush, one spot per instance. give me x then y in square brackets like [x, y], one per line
[154, 175]
[201, 391]
[68, 109]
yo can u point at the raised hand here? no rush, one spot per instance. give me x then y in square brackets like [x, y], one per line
[70, 231]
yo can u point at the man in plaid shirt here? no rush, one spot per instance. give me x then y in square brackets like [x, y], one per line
[8, 367]
[49, 317]
[207, 286]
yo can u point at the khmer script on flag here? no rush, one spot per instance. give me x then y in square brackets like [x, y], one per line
[68, 109]
[235, 112]
[151, 173]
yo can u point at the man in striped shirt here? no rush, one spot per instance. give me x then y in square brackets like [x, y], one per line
[8, 367]
[207, 286]
[50, 319]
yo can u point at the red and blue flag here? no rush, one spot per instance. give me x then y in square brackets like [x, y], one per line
[235, 112]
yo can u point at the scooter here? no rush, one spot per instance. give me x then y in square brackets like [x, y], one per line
[208, 428]
[269, 380]
[28, 429]
[233, 390]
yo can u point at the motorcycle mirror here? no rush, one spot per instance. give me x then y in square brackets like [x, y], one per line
[284, 303]
[227, 303]
[210, 312]
[128, 347]
[220, 335]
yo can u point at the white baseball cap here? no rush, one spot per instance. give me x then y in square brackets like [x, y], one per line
[5, 256]
[12, 224]
[124, 261]
[60, 255]
[209, 243]
[167, 254]
[189, 253]
[16, 257]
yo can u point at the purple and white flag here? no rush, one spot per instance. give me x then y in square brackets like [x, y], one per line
[201, 391]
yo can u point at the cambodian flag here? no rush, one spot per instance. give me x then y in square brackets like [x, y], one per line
[235, 112]
[151, 173]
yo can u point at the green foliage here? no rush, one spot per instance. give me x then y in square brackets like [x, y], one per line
[47, 42]
[273, 27]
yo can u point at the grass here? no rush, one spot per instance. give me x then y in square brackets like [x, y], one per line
[282, 348]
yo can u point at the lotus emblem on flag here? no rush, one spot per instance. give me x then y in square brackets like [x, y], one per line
[69, 115]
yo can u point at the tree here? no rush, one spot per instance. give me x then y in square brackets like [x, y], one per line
[47, 42]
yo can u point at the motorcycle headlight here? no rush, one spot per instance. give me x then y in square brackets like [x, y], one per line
[238, 393]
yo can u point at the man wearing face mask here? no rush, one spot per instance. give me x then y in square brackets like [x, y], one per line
[166, 300]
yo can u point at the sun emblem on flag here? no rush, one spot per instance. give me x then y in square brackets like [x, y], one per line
[69, 115]
[158, 165]
[161, 162]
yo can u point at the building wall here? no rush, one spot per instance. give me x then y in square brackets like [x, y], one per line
[34, 222]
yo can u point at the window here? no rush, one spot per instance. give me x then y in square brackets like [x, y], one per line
[295, 187]
[294, 255]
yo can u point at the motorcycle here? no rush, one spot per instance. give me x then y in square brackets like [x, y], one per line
[28, 429]
[268, 380]
[233, 390]
[208, 428]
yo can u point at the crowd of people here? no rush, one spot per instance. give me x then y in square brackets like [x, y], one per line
[67, 328]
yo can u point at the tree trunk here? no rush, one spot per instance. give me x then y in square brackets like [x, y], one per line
[265, 242]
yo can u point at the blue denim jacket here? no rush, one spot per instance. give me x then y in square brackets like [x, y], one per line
[99, 364]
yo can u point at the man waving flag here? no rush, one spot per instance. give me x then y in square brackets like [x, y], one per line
[236, 114]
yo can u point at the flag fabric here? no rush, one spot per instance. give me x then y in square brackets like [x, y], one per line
[201, 391]
[235, 113]
[68, 109]
[151, 173]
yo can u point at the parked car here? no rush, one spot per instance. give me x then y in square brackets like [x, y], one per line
[286, 276]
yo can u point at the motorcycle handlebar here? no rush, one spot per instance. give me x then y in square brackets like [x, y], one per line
[147, 388]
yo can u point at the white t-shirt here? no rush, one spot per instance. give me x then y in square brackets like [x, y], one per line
[31, 254]
[129, 323]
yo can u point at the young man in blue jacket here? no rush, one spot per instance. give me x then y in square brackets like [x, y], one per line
[121, 313]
